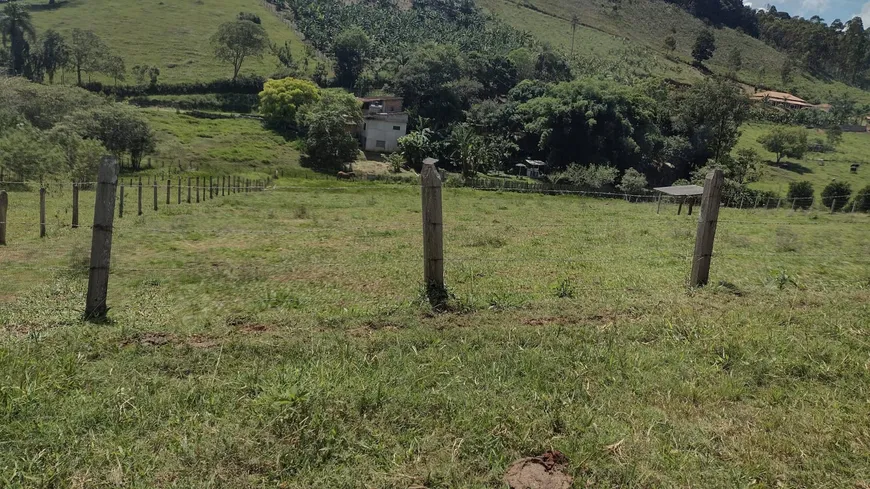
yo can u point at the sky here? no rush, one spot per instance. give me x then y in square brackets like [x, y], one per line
[826, 9]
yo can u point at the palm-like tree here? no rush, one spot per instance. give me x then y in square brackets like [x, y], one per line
[574, 22]
[16, 27]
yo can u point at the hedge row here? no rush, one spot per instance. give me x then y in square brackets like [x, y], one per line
[243, 85]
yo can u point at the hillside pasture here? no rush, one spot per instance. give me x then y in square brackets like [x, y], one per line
[280, 339]
[855, 148]
[174, 36]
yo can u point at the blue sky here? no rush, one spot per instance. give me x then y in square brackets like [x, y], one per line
[826, 9]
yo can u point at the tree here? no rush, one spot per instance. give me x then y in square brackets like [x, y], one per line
[86, 50]
[16, 28]
[836, 195]
[320, 75]
[120, 128]
[427, 83]
[82, 156]
[834, 135]
[237, 40]
[147, 73]
[671, 43]
[735, 60]
[785, 142]
[113, 66]
[280, 101]
[284, 55]
[800, 194]
[27, 153]
[524, 61]
[249, 17]
[705, 46]
[633, 182]
[710, 116]
[55, 53]
[416, 147]
[350, 49]
[328, 142]
[551, 66]
[465, 145]
[854, 48]
[745, 167]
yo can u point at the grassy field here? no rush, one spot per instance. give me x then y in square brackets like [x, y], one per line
[642, 25]
[171, 35]
[219, 145]
[855, 148]
[279, 339]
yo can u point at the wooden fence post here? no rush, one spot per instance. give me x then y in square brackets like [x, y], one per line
[179, 190]
[101, 244]
[140, 196]
[168, 191]
[197, 190]
[75, 209]
[4, 205]
[42, 212]
[433, 239]
[121, 201]
[155, 193]
[210, 188]
[223, 185]
[706, 234]
[833, 205]
[188, 190]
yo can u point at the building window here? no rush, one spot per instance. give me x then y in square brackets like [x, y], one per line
[397, 128]
[381, 144]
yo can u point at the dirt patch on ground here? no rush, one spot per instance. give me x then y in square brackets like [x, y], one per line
[546, 471]
[161, 338]
[254, 328]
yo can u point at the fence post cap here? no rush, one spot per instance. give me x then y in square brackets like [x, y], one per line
[108, 172]
[429, 175]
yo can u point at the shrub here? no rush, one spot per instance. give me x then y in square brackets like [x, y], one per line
[862, 200]
[280, 100]
[593, 176]
[836, 195]
[801, 194]
[786, 142]
[633, 182]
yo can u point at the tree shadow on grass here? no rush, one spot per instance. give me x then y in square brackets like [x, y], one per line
[39, 7]
[792, 167]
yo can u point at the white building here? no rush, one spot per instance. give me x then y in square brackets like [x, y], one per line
[383, 124]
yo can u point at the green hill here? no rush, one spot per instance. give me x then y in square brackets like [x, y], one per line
[639, 28]
[173, 35]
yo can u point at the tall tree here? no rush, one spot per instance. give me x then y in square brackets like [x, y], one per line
[55, 53]
[705, 46]
[114, 67]
[237, 40]
[854, 48]
[16, 28]
[350, 49]
[86, 50]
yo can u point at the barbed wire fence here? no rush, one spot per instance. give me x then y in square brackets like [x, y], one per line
[457, 269]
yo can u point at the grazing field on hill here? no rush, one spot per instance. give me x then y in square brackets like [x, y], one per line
[220, 145]
[173, 36]
[646, 24]
[279, 339]
[855, 148]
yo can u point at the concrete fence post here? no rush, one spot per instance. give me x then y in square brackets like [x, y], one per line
[433, 239]
[75, 206]
[101, 243]
[42, 212]
[4, 206]
[706, 234]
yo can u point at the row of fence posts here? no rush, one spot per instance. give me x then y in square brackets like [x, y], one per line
[433, 232]
[216, 187]
[433, 229]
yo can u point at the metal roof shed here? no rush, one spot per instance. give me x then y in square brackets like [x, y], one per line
[681, 192]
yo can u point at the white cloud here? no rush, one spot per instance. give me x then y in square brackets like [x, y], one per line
[814, 6]
[865, 13]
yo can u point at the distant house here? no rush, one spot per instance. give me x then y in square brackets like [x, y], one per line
[782, 99]
[384, 122]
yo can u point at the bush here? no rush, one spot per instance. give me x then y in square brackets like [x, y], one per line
[784, 142]
[633, 182]
[242, 84]
[280, 100]
[836, 195]
[862, 200]
[735, 194]
[801, 194]
[596, 177]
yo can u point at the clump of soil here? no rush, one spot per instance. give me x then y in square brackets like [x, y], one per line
[546, 471]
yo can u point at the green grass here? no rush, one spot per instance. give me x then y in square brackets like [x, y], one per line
[219, 145]
[639, 28]
[855, 148]
[278, 339]
[173, 35]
